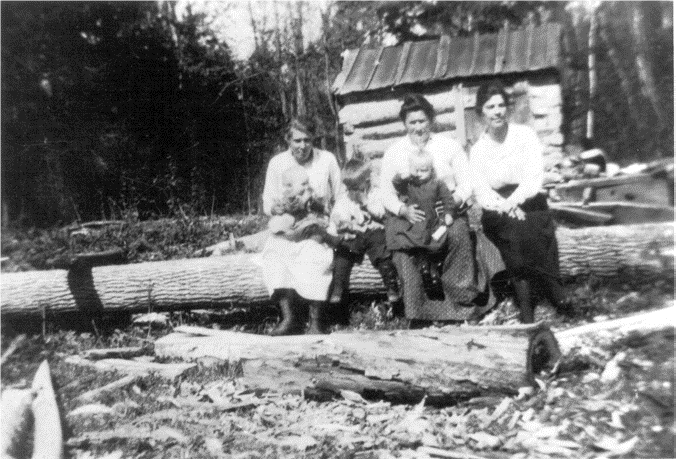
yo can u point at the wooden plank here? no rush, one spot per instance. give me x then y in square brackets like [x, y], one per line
[442, 57]
[443, 122]
[460, 129]
[376, 148]
[625, 213]
[578, 214]
[348, 63]
[500, 50]
[47, 429]
[387, 111]
[403, 59]
[638, 188]
[375, 66]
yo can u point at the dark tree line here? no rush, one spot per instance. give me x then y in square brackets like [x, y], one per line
[112, 109]
[122, 109]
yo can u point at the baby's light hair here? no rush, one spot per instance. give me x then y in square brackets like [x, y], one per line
[356, 173]
[420, 159]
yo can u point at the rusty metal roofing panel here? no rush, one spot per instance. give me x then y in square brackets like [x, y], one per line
[387, 67]
[553, 33]
[538, 51]
[517, 54]
[422, 60]
[349, 57]
[460, 57]
[508, 51]
[361, 71]
[485, 55]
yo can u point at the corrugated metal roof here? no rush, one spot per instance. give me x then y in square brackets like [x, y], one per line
[509, 51]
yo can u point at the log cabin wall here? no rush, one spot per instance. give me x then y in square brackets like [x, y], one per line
[448, 71]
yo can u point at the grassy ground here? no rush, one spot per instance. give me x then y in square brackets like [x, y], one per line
[572, 415]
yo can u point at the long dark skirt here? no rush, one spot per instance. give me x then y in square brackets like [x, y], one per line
[468, 266]
[528, 247]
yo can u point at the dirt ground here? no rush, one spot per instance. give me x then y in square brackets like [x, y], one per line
[585, 410]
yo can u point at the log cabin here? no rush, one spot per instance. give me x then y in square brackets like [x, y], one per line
[448, 71]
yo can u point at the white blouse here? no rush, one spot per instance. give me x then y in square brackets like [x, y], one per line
[322, 169]
[450, 165]
[515, 161]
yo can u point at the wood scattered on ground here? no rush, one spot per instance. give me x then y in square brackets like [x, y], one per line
[611, 395]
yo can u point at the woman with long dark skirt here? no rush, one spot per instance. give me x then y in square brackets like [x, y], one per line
[507, 172]
[460, 278]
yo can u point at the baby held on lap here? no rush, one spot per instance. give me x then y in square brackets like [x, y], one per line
[298, 214]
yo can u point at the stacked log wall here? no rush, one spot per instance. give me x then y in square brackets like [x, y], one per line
[371, 127]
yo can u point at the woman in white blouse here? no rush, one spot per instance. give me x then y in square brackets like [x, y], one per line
[450, 165]
[299, 269]
[507, 173]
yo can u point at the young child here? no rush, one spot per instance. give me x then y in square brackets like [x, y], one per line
[423, 239]
[299, 214]
[357, 217]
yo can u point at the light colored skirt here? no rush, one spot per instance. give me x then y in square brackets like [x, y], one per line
[304, 266]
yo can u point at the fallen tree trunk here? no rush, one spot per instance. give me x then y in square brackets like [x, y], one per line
[403, 365]
[604, 334]
[637, 253]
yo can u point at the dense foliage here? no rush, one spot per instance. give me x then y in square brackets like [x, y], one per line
[123, 109]
[111, 108]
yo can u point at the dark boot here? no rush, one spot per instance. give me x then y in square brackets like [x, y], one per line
[556, 296]
[523, 299]
[388, 272]
[430, 277]
[342, 267]
[316, 324]
[291, 321]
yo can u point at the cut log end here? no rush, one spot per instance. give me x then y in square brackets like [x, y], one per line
[543, 354]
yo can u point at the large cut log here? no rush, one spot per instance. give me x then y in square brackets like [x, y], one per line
[444, 364]
[637, 253]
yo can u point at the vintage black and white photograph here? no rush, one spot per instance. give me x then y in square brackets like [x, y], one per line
[243, 229]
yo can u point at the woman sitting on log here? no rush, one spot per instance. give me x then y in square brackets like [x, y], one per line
[507, 173]
[299, 268]
[457, 261]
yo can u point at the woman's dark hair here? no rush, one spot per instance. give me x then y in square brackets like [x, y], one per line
[416, 103]
[304, 125]
[355, 173]
[487, 90]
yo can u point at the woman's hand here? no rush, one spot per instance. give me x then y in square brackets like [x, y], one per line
[512, 210]
[412, 213]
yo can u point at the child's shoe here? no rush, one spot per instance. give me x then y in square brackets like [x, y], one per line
[388, 272]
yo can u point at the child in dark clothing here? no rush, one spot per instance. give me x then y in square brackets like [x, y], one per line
[426, 238]
[358, 216]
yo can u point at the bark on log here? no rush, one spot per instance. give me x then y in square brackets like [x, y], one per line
[637, 253]
[402, 365]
